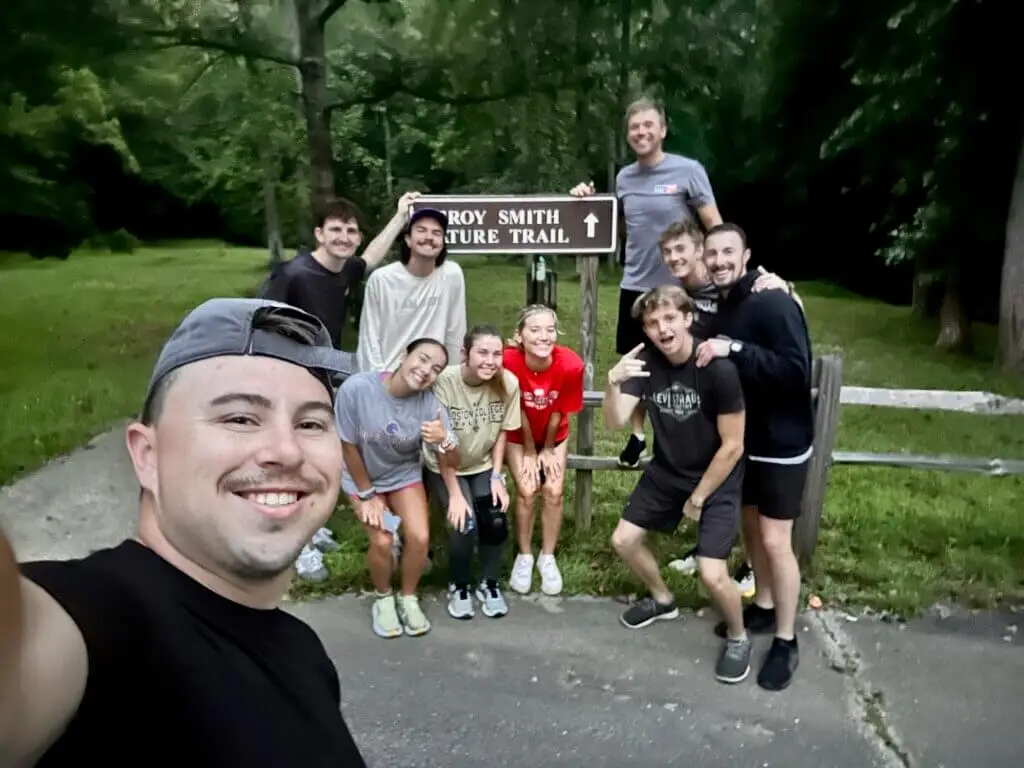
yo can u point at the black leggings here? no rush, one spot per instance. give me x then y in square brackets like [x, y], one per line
[460, 546]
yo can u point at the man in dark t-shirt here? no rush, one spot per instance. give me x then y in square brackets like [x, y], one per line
[682, 251]
[696, 471]
[171, 649]
[321, 281]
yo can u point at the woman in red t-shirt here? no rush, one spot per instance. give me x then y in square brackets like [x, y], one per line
[551, 382]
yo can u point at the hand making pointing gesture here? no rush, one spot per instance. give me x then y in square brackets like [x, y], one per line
[628, 367]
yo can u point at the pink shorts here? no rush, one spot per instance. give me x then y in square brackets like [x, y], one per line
[395, 490]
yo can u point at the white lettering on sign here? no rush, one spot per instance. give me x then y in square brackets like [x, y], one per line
[554, 236]
[516, 226]
[472, 237]
[528, 217]
[465, 218]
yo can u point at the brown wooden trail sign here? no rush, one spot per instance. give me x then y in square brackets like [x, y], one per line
[540, 224]
[543, 224]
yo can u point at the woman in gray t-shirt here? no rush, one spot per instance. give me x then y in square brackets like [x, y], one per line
[384, 420]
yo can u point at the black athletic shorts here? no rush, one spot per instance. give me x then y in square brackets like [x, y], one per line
[656, 504]
[628, 332]
[777, 490]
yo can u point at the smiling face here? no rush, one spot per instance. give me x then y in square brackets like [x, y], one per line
[538, 334]
[338, 238]
[669, 329]
[483, 360]
[681, 256]
[645, 132]
[241, 466]
[425, 239]
[726, 257]
[419, 369]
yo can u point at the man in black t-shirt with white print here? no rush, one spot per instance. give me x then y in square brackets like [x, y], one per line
[698, 419]
[682, 251]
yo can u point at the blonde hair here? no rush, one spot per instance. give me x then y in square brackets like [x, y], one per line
[662, 296]
[525, 314]
[644, 104]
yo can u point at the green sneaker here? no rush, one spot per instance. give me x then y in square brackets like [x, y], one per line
[412, 616]
[385, 617]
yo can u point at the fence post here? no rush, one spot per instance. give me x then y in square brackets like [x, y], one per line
[585, 422]
[828, 379]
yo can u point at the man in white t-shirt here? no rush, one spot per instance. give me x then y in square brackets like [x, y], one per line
[422, 295]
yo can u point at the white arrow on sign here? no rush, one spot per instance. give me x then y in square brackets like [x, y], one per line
[591, 222]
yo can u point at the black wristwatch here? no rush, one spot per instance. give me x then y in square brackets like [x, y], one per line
[735, 346]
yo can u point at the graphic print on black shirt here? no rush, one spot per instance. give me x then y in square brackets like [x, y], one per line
[307, 284]
[705, 301]
[188, 677]
[683, 403]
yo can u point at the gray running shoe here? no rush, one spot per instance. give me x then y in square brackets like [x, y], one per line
[323, 540]
[646, 611]
[734, 663]
[310, 565]
[492, 602]
[460, 604]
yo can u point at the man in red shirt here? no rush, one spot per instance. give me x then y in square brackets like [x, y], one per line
[551, 381]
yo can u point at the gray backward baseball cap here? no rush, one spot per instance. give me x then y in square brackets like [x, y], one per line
[231, 327]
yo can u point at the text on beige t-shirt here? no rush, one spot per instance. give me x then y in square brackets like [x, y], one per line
[478, 416]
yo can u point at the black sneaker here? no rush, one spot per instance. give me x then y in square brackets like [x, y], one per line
[646, 611]
[734, 663]
[756, 620]
[780, 665]
[742, 572]
[630, 456]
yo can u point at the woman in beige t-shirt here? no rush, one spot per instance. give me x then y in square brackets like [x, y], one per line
[482, 400]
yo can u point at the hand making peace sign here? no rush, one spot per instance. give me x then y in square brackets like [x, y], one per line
[628, 367]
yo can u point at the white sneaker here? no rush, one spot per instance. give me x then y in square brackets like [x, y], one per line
[550, 576]
[310, 565]
[686, 565]
[521, 580]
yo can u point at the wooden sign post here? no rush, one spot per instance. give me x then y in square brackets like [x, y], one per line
[543, 224]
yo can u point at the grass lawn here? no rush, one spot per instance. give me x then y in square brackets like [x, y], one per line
[81, 337]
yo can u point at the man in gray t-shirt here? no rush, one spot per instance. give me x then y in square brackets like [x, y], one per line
[657, 190]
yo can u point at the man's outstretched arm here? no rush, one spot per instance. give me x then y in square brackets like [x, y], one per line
[43, 665]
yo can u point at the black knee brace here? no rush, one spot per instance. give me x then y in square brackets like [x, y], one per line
[491, 522]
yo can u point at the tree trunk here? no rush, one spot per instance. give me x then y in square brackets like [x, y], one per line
[617, 144]
[313, 73]
[270, 209]
[1010, 349]
[954, 320]
[927, 293]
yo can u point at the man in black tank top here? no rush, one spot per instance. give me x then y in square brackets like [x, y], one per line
[171, 649]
